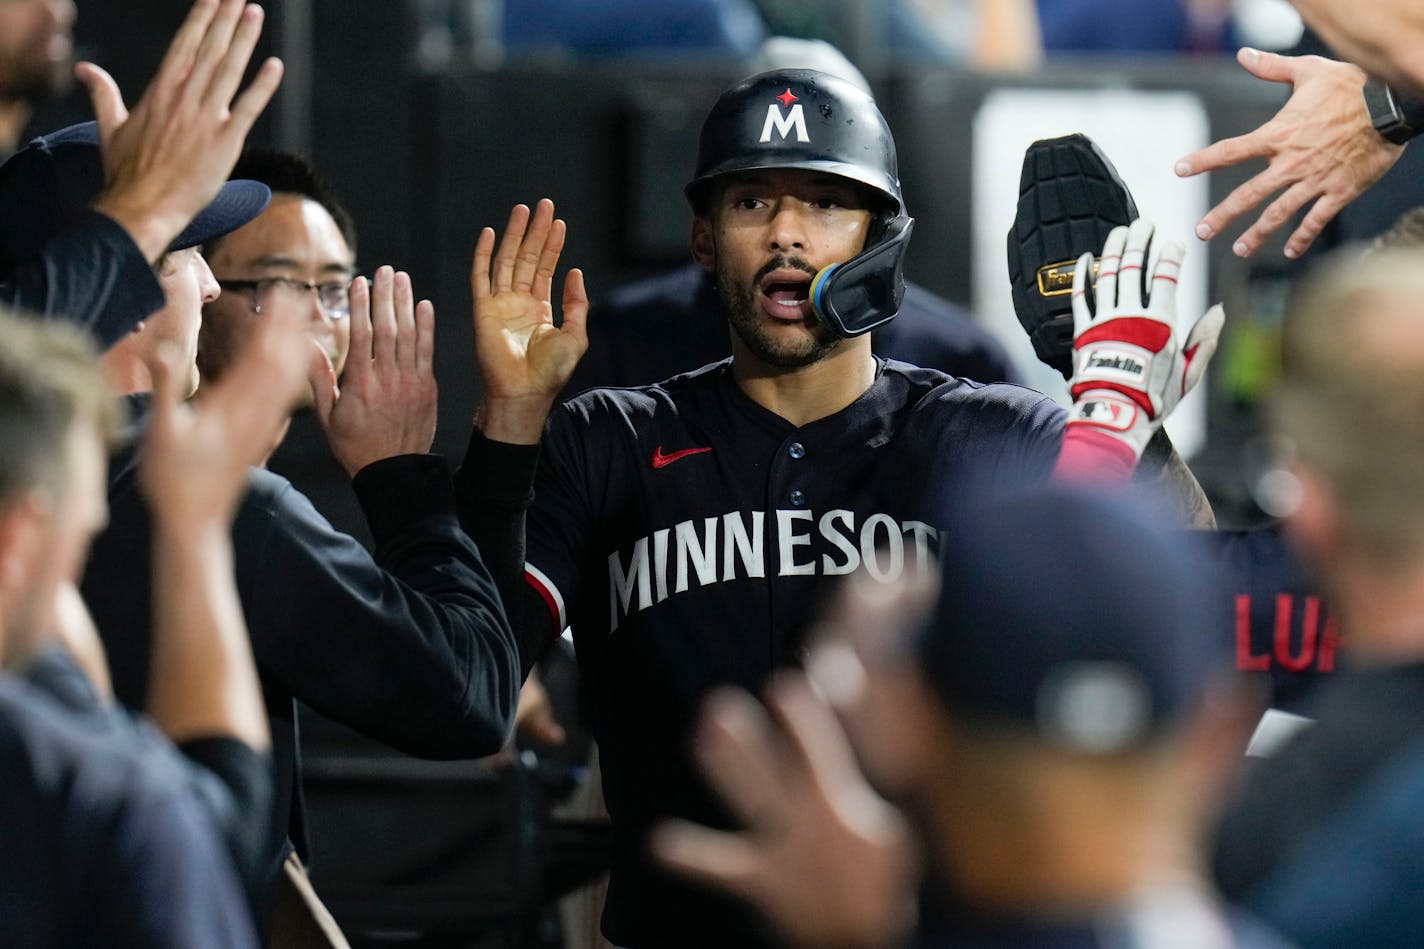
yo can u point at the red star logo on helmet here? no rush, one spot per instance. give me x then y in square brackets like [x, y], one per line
[787, 98]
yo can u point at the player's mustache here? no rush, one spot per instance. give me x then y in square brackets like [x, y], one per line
[782, 263]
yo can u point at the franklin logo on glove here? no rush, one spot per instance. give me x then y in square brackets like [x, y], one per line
[1125, 364]
[1127, 352]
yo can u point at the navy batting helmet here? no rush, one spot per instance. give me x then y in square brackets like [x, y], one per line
[801, 118]
[797, 118]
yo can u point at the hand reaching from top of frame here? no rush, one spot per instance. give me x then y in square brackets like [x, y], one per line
[168, 157]
[524, 358]
[1319, 147]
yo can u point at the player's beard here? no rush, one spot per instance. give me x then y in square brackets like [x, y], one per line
[747, 321]
[30, 77]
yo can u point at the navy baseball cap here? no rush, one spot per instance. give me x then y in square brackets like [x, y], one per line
[49, 184]
[1073, 614]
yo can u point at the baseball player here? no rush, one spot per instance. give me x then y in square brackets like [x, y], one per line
[684, 530]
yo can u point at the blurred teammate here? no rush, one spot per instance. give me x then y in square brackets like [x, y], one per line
[1059, 730]
[1325, 839]
[105, 843]
[428, 664]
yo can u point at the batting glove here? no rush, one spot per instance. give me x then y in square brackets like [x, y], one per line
[1129, 371]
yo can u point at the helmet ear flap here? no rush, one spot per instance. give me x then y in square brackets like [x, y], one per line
[865, 292]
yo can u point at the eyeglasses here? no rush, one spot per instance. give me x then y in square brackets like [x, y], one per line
[334, 297]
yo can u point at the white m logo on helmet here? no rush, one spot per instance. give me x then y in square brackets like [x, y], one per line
[784, 125]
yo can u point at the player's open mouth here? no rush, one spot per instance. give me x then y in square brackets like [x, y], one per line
[786, 294]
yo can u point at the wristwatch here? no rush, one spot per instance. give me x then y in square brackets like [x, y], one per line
[1386, 114]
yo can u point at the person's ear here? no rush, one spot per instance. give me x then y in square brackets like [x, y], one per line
[704, 248]
[22, 524]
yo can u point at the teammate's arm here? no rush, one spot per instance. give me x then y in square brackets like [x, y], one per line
[1164, 470]
[429, 663]
[525, 360]
[163, 162]
[1383, 36]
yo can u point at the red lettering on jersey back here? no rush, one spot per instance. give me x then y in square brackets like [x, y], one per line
[1309, 621]
[1245, 661]
[1319, 637]
[1325, 660]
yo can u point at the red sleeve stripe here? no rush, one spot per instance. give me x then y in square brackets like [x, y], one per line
[545, 588]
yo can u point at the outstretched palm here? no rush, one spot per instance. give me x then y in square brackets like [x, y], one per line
[522, 354]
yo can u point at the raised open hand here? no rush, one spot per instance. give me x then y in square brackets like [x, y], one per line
[196, 454]
[1134, 357]
[823, 856]
[1320, 147]
[165, 160]
[386, 405]
[524, 357]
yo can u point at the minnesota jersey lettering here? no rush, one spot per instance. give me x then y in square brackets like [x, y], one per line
[686, 553]
[688, 537]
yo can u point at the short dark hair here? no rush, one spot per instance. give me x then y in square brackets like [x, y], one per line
[289, 173]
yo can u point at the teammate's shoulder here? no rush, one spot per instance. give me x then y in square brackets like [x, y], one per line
[937, 385]
[940, 402]
[42, 737]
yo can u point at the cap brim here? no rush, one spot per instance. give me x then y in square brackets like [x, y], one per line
[238, 202]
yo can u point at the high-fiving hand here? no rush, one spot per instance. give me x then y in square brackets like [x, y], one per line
[1129, 367]
[1320, 148]
[167, 159]
[386, 405]
[524, 357]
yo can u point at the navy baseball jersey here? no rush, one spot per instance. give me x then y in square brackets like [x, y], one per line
[1274, 617]
[686, 535]
[684, 532]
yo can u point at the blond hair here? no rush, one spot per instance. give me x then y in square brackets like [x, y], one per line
[1350, 403]
[49, 382]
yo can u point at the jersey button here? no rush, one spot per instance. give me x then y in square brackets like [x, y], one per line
[796, 450]
[798, 498]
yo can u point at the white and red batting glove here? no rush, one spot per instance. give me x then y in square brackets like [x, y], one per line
[1129, 369]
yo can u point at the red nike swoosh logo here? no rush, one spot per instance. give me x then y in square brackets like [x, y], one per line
[662, 461]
